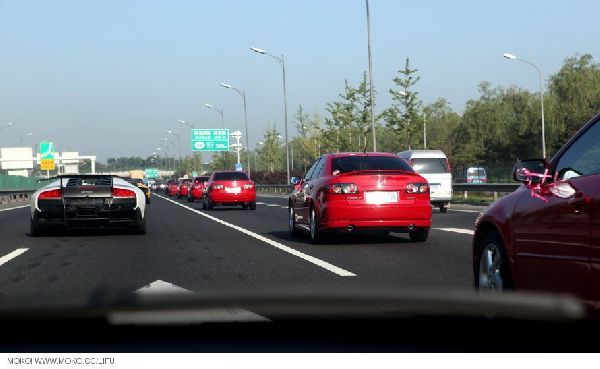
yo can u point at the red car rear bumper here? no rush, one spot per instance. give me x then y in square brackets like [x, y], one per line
[342, 215]
[231, 198]
[197, 194]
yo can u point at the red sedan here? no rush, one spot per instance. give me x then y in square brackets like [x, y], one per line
[196, 188]
[545, 236]
[172, 188]
[229, 188]
[360, 191]
[182, 188]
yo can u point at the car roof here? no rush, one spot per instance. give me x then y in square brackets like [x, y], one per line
[423, 154]
[344, 154]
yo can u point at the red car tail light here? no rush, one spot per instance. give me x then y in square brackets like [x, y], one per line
[123, 193]
[51, 194]
[248, 186]
[417, 188]
[342, 188]
[484, 179]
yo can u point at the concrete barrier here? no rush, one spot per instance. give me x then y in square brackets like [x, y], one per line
[15, 196]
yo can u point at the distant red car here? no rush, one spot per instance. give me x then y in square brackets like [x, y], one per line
[545, 236]
[229, 188]
[360, 191]
[182, 188]
[172, 188]
[196, 188]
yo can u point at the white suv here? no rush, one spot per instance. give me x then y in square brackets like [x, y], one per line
[433, 165]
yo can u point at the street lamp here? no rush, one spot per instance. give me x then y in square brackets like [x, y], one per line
[220, 111]
[178, 147]
[242, 93]
[192, 126]
[23, 137]
[169, 151]
[371, 76]
[514, 57]
[7, 125]
[281, 62]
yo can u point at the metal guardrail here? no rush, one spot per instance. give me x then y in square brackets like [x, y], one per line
[12, 196]
[495, 188]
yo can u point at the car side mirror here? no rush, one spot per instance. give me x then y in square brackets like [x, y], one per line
[529, 170]
[295, 181]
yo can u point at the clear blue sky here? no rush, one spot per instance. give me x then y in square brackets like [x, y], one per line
[108, 77]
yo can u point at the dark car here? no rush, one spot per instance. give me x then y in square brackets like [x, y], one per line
[545, 236]
[229, 188]
[360, 191]
[196, 188]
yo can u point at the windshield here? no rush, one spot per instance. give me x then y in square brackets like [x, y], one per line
[230, 176]
[476, 172]
[357, 163]
[430, 165]
[308, 148]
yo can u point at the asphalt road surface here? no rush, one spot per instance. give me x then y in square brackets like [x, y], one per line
[187, 248]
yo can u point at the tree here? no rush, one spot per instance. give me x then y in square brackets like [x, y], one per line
[403, 116]
[271, 150]
[574, 94]
[302, 142]
[363, 112]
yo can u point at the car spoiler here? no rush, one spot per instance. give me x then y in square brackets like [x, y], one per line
[60, 176]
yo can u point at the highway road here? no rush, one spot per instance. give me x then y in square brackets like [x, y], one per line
[187, 248]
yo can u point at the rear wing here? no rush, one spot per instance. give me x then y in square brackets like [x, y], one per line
[81, 176]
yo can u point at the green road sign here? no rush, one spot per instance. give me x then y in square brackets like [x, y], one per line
[194, 174]
[46, 150]
[151, 173]
[210, 139]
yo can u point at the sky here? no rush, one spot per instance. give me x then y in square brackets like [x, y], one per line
[109, 77]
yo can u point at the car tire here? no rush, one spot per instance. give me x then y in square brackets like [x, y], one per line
[419, 235]
[244, 207]
[492, 271]
[443, 209]
[147, 200]
[314, 234]
[292, 223]
[34, 227]
[204, 203]
[140, 227]
[252, 206]
[191, 199]
[209, 205]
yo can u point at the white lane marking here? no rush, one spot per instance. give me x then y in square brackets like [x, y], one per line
[311, 259]
[466, 211]
[181, 316]
[273, 205]
[456, 230]
[12, 255]
[161, 287]
[261, 203]
[15, 207]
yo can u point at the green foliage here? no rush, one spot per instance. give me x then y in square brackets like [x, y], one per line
[404, 116]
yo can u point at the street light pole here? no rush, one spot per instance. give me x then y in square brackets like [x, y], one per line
[372, 93]
[220, 111]
[178, 148]
[513, 57]
[281, 62]
[192, 126]
[242, 93]
[22, 137]
[7, 125]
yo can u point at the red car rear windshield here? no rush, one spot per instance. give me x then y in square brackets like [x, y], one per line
[356, 163]
[231, 176]
[200, 179]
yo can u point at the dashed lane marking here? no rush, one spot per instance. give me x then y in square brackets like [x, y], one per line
[14, 207]
[456, 230]
[6, 258]
[311, 259]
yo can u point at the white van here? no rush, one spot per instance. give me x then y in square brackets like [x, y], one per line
[434, 166]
